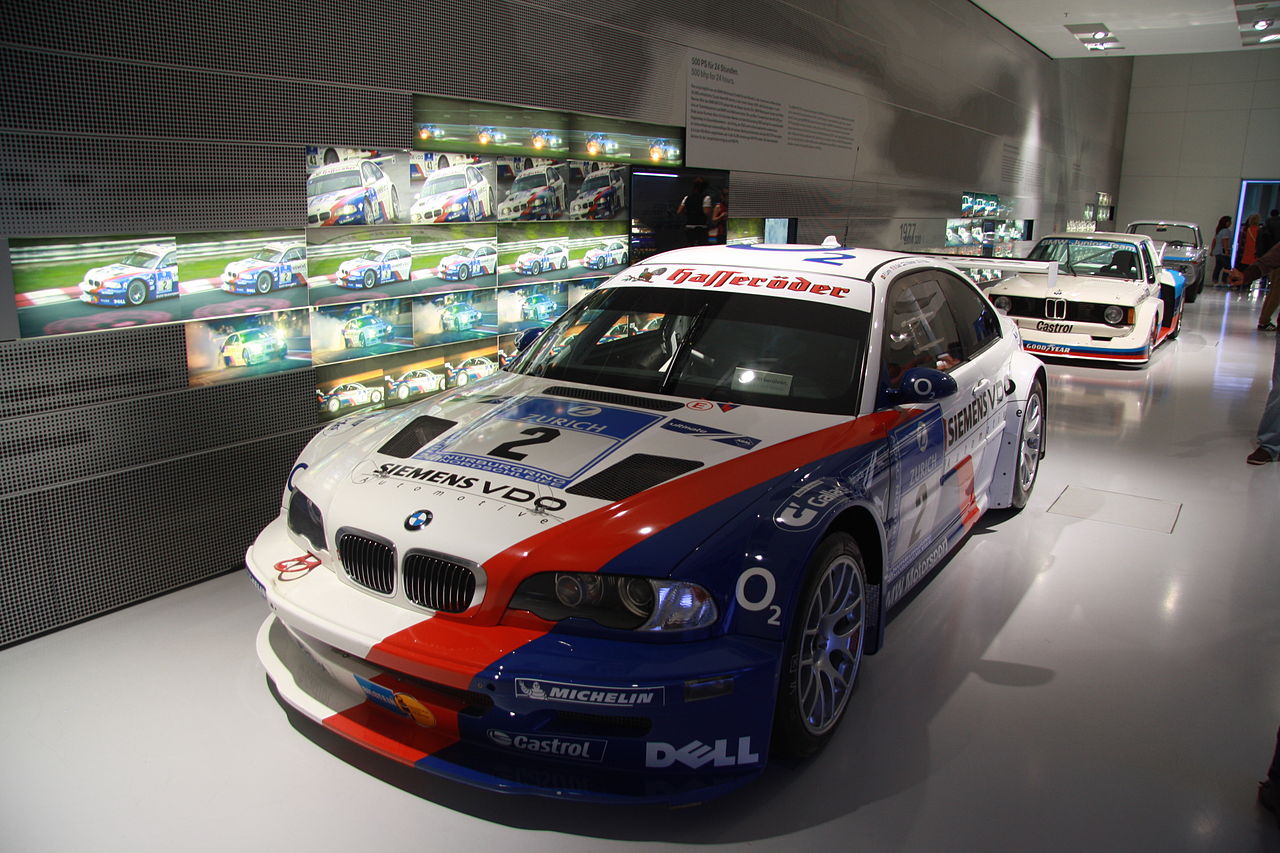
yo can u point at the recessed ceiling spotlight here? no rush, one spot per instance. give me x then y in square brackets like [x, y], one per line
[1263, 24]
[1272, 37]
[1101, 34]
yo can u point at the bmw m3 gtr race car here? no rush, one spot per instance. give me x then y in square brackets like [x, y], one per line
[1109, 298]
[275, 265]
[148, 272]
[633, 567]
[456, 194]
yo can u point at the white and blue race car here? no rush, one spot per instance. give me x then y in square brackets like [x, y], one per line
[147, 272]
[634, 567]
[275, 265]
[456, 194]
[609, 255]
[378, 264]
[351, 192]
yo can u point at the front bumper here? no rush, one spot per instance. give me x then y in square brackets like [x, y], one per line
[515, 709]
[101, 295]
[1090, 341]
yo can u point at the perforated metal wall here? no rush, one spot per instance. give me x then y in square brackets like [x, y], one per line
[117, 481]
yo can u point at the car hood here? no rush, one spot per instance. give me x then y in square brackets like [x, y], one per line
[328, 201]
[246, 266]
[439, 199]
[1074, 288]
[590, 195]
[356, 264]
[510, 456]
[115, 271]
[530, 257]
[453, 260]
[523, 196]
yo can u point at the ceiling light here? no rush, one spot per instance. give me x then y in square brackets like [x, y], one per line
[1101, 34]
[1272, 37]
[1263, 24]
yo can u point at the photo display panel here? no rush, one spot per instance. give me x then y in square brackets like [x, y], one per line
[243, 346]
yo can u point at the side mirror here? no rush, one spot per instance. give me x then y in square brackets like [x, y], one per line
[921, 385]
[527, 337]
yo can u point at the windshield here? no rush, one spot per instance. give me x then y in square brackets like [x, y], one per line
[729, 347]
[1090, 257]
[142, 259]
[346, 179]
[531, 181]
[268, 255]
[1174, 235]
[598, 181]
[371, 255]
[445, 184]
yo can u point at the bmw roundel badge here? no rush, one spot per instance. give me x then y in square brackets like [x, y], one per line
[418, 520]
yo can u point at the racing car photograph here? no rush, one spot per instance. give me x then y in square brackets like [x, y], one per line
[461, 316]
[531, 306]
[223, 274]
[353, 265]
[86, 283]
[346, 331]
[653, 554]
[359, 191]
[601, 194]
[1108, 297]
[229, 348]
[463, 193]
[350, 388]
[537, 193]
[449, 124]
[454, 257]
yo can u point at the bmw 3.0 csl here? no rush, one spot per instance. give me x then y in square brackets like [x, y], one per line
[633, 567]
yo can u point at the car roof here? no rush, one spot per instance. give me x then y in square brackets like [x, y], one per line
[153, 248]
[454, 170]
[282, 245]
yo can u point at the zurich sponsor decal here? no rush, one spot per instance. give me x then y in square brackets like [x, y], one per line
[919, 447]
[718, 435]
[547, 442]
[589, 694]
[576, 748]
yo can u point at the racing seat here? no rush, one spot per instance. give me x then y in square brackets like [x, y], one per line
[1124, 264]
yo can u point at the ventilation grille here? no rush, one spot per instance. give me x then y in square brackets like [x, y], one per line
[438, 584]
[616, 399]
[415, 436]
[631, 476]
[369, 562]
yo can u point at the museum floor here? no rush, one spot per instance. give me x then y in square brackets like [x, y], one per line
[1100, 672]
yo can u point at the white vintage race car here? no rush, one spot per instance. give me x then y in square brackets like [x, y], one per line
[633, 565]
[1108, 299]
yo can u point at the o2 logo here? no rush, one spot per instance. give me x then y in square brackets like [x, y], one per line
[753, 598]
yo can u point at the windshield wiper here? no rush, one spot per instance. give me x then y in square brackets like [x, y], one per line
[683, 350]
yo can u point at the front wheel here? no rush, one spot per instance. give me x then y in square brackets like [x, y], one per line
[136, 293]
[263, 284]
[369, 279]
[1030, 447]
[824, 649]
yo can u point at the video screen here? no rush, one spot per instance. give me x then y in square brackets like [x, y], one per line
[673, 208]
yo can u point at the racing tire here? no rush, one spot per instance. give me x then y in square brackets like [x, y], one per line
[488, 208]
[442, 162]
[330, 156]
[625, 259]
[369, 279]
[402, 392]
[536, 268]
[1030, 447]
[824, 649]
[263, 283]
[1190, 292]
[366, 212]
[136, 293]
[564, 263]
[464, 272]
[375, 397]
[333, 405]
[1177, 327]
[394, 211]
[463, 379]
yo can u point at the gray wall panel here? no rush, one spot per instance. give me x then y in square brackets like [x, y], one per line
[159, 118]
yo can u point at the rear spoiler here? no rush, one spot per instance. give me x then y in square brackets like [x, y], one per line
[1012, 265]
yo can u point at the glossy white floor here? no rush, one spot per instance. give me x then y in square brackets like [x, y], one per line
[1063, 683]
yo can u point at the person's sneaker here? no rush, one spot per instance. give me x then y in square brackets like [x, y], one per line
[1267, 327]
[1259, 457]
[1269, 798]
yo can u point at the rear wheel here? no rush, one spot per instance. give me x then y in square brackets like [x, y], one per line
[824, 649]
[1030, 446]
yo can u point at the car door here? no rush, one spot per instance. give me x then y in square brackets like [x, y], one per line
[937, 454]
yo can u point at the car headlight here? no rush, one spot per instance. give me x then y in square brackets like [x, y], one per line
[347, 209]
[1113, 314]
[305, 520]
[1002, 303]
[617, 601]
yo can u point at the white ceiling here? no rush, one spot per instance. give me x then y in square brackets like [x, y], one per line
[1144, 28]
